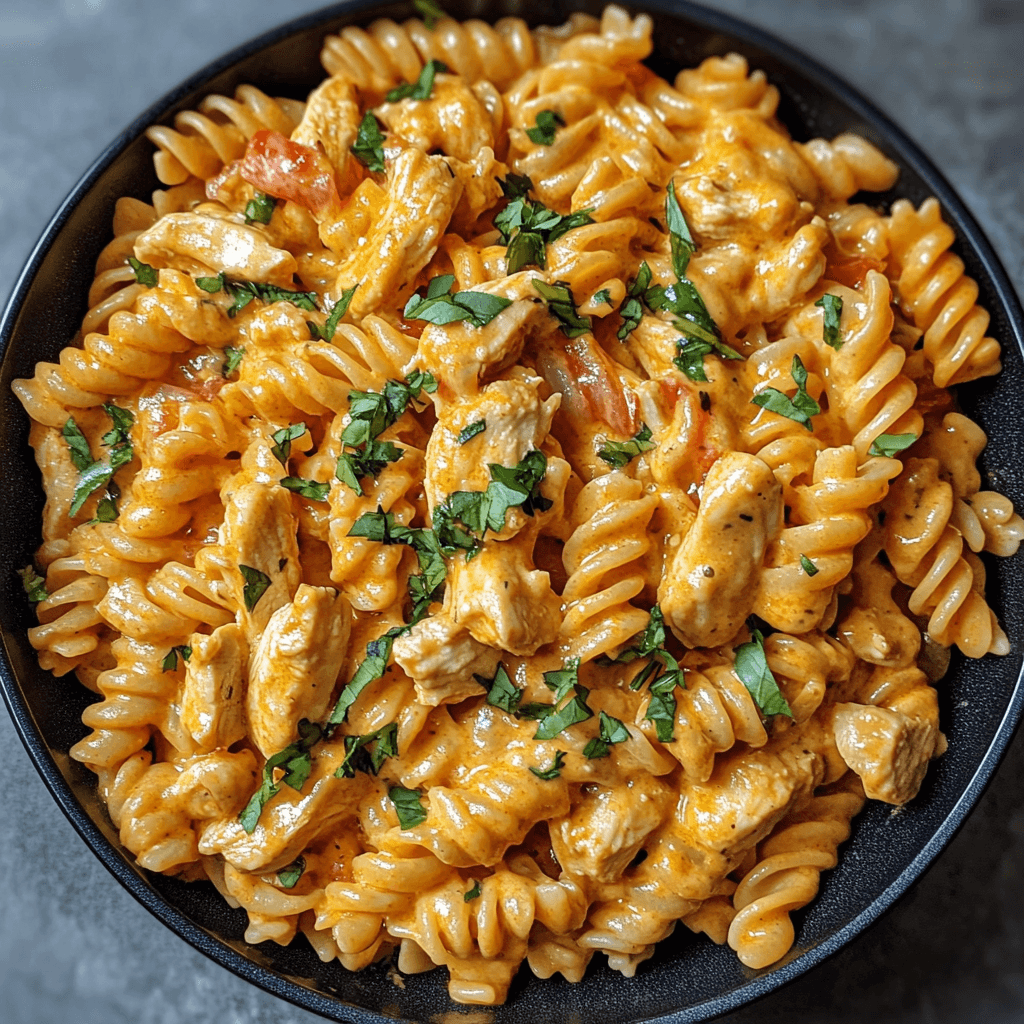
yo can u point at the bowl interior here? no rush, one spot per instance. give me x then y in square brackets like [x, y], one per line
[689, 978]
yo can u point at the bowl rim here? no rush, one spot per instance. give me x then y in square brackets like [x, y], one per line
[132, 878]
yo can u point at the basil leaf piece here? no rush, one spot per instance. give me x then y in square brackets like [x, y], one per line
[78, 446]
[232, 358]
[430, 11]
[832, 306]
[502, 692]
[296, 762]
[357, 758]
[610, 730]
[314, 490]
[260, 209]
[526, 248]
[515, 186]
[546, 123]
[34, 584]
[468, 433]
[170, 662]
[289, 876]
[554, 770]
[422, 87]
[571, 713]
[368, 148]
[472, 894]
[144, 273]
[326, 333]
[602, 298]
[800, 408]
[256, 584]
[106, 510]
[808, 566]
[212, 284]
[887, 445]
[562, 680]
[679, 233]
[562, 308]
[662, 707]
[755, 674]
[410, 810]
[369, 461]
[619, 454]
[282, 446]
[123, 421]
[440, 306]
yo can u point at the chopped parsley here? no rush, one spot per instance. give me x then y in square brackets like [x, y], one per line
[326, 333]
[755, 674]
[243, 292]
[887, 445]
[800, 408]
[632, 310]
[620, 453]
[554, 770]
[144, 273]
[547, 123]
[502, 692]
[170, 662]
[256, 584]
[358, 758]
[472, 894]
[314, 490]
[282, 446]
[556, 719]
[468, 433]
[527, 226]
[368, 148]
[610, 730]
[260, 209]
[370, 414]
[430, 11]
[808, 566]
[662, 673]
[34, 584]
[408, 807]
[479, 511]
[561, 306]
[296, 762]
[232, 358]
[422, 87]
[289, 876]
[832, 305]
[441, 306]
[95, 474]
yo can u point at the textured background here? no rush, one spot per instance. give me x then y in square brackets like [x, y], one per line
[74, 947]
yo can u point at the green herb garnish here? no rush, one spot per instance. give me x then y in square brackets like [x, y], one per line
[256, 584]
[808, 566]
[232, 358]
[887, 445]
[296, 762]
[472, 894]
[547, 123]
[144, 273]
[468, 433]
[368, 148]
[260, 209]
[441, 306]
[611, 730]
[314, 490]
[430, 11]
[34, 584]
[289, 876]
[410, 810]
[800, 408]
[359, 759]
[170, 662]
[620, 453]
[554, 769]
[562, 308]
[326, 333]
[422, 87]
[282, 446]
[832, 306]
[753, 670]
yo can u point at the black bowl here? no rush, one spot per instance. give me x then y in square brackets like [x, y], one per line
[689, 979]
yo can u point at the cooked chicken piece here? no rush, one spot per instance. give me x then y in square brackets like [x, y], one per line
[331, 118]
[441, 658]
[198, 243]
[259, 532]
[890, 747]
[748, 793]
[295, 665]
[213, 699]
[480, 178]
[503, 600]
[607, 828]
[460, 354]
[516, 422]
[710, 584]
[356, 218]
[290, 821]
[453, 121]
[422, 193]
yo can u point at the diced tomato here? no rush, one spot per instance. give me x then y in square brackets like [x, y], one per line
[851, 272]
[592, 375]
[288, 170]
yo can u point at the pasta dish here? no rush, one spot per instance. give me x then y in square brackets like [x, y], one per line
[510, 506]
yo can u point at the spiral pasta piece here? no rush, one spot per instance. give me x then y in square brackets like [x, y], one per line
[787, 873]
[940, 298]
[604, 559]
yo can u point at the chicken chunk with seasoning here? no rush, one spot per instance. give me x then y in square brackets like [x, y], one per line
[295, 664]
[710, 583]
[213, 701]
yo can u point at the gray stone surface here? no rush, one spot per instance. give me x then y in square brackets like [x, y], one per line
[74, 947]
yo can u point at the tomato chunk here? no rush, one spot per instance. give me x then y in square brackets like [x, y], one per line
[288, 170]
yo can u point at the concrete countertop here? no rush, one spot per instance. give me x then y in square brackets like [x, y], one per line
[74, 947]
